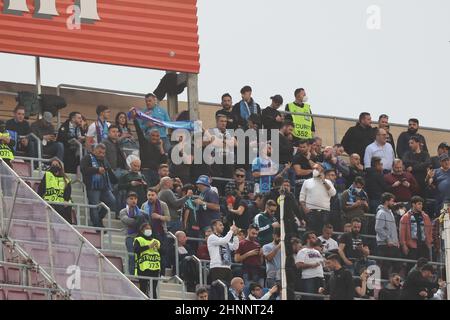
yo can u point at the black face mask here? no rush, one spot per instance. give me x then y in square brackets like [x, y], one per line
[54, 169]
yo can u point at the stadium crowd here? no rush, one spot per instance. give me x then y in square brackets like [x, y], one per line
[345, 206]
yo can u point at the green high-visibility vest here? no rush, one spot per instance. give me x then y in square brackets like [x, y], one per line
[5, 151]
[54, 188]
[302, 124]
[150, 259]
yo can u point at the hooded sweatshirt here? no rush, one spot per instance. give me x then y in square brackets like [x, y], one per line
[385, 227]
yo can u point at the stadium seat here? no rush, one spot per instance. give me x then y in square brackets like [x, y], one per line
[13, 275]
[34, 295]
[17, 295]
[41, 234]
[21, 231]
[22, 168]
[67, 237]
[2, 274]
[64, 258]
[2, 295]
[36, 279]
[89, 262]
[93, 237]
[41, 256]
[116, 261]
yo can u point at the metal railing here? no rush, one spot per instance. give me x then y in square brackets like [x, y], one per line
[177, 258]
[80, 247]
[39, 160]
[199, 262]
[224, 286]
[48, 292]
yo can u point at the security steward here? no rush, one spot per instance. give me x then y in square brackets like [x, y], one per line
[304, 127]
[6, 144]
[55, 186]
[147, 258]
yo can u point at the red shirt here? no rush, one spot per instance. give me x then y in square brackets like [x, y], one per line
[246, 246]
[402, 193]
[202, 252]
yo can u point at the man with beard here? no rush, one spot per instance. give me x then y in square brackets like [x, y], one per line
[357, 138]
[392, 290]
[402, 184]
[387, 235]
[302, 165]
[227, 105]
[417, 162]
[403, 139]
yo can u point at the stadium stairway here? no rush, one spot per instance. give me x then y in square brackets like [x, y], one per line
[48, 241]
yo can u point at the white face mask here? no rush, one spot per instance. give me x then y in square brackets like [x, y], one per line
[401, 212]
[305, 99]
[358, 190]
[316, 173]
[148, 232]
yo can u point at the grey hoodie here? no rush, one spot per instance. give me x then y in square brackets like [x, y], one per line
[386, 227]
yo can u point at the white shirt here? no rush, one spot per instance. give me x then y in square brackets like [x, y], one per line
[315, 194]
[310, 256]
[329, 244]
[217, 246]
[92, 131]
[386, 153]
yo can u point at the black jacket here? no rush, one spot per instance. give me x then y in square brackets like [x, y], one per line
[114, 155]
[389, 294]
[416, 283]
[237, 113]
[232, 120]
[268, 116]
[286, 149]
[357, 138]
[88, 170]
[341, 285]
[150, 154]
[22, 128]
[64, 134]
[403, 143]
[375, 184]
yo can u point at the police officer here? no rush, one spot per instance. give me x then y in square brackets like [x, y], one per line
[6, 144]
[147, 258]
[304, 127]
[55, 186]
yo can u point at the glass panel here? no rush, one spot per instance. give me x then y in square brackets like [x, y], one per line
[55, 245]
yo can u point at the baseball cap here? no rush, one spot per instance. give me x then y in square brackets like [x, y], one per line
[277, 99]
[443, 157]
[443, 145]
[204, 180]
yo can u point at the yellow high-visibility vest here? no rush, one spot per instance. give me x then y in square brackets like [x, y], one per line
[150, 259]
[5, 151]
[302, 124]
[54, 188]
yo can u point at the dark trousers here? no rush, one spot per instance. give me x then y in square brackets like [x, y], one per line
[54, 149]
[388, 267]
[223, 274]
[315, 220]
[94, 198]
[311, 285]
[144, 284]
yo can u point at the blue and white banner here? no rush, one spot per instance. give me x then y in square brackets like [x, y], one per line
[186, 125]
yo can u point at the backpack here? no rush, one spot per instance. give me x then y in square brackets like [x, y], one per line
[30, 101]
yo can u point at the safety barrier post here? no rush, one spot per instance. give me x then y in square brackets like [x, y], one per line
[177, 262]
[199, 269]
